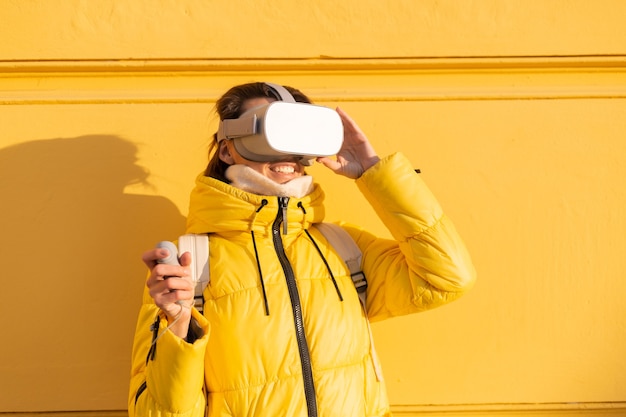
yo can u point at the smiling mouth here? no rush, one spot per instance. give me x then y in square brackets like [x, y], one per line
[284, 169]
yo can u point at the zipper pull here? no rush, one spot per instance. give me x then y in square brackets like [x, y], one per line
[283, 202]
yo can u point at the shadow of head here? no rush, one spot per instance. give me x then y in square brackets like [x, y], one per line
[72, 189]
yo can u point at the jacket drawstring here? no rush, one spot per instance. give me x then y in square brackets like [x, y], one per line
[264, 202]
[256, 255]
[319, 251]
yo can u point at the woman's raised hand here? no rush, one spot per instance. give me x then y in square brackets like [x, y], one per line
[356, 154]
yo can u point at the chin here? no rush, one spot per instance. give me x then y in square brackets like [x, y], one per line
[282, 179]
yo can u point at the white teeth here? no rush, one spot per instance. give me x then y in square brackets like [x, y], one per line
[284, 169]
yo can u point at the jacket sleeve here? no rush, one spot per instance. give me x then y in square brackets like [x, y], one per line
[427, 264]
[167, 378]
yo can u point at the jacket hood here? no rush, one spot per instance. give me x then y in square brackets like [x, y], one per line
[217, 207]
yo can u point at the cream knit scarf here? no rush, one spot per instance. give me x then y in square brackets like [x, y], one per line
[247, 179]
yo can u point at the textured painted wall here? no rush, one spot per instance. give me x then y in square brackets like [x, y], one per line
[516, 116]
[214, 29]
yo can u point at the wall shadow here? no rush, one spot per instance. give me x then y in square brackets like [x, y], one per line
[72, 272]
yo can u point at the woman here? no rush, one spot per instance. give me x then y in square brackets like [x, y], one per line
[283, 332]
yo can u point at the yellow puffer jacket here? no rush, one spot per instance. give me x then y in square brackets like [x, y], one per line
[283, 334]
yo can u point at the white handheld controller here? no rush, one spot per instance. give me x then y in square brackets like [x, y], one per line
[172, 258]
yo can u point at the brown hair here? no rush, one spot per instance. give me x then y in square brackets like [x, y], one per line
[229, 107]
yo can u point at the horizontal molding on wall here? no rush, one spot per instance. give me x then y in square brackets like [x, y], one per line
[202, 81]
[321, 63]
[606, 409]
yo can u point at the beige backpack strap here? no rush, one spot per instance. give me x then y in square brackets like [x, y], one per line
[351, 254]
[198, 246]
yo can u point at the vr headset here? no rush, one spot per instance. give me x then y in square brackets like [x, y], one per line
[284, 128]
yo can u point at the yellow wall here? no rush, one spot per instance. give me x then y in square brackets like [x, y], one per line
[514, 111]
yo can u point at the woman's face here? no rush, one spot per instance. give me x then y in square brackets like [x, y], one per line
[278, 171]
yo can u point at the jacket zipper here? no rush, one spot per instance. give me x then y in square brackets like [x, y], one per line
[305, 356]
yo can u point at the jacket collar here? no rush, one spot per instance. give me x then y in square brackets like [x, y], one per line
[217, 207]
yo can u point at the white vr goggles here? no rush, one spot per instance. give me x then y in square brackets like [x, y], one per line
[284, 128]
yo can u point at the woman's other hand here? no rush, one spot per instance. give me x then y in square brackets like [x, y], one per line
[171, 288]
